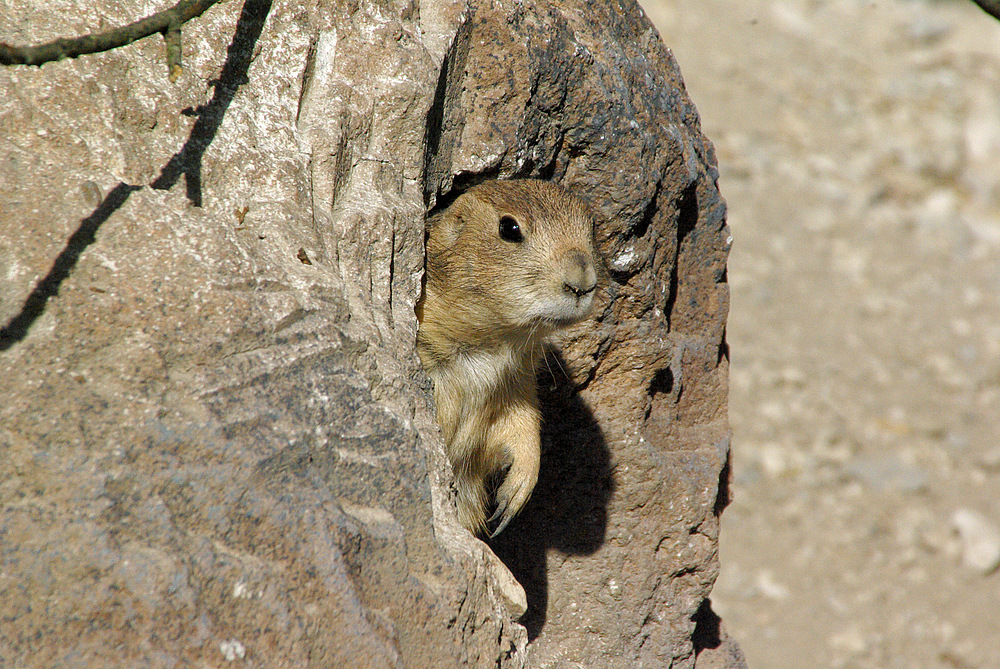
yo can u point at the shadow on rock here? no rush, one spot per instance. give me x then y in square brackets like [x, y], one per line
[568, 509]
[186, 162]
[713, 648]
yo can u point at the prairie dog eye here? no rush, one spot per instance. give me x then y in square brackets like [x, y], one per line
[510, 230]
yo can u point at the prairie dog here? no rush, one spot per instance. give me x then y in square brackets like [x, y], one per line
[508, 263]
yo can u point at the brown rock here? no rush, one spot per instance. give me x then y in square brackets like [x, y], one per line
[216, 452]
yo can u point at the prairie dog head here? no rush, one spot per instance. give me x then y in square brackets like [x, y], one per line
[514, 255]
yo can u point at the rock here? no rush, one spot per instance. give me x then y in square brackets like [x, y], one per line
[217, 452]
[766, 584]
[851, 641]
[980, 540]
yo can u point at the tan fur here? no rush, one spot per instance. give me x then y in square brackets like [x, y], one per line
[487, 305]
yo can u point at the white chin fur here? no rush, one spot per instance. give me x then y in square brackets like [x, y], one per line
[561, 310]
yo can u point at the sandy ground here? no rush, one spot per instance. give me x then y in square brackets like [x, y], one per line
[859, 148]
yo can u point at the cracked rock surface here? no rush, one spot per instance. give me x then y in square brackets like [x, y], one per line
[218, 445]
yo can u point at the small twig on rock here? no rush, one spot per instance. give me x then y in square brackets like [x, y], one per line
[172, 40]
[168, 22]
[991, 7]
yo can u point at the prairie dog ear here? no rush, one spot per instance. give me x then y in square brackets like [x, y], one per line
[444, 227]
[447, 226]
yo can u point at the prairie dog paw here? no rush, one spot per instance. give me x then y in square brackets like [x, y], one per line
[511, 497]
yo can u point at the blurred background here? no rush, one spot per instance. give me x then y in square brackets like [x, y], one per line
[859, 151]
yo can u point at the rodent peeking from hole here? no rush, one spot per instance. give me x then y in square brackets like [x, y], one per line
[508, 263]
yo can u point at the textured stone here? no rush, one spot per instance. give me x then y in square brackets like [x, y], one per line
[217, 440]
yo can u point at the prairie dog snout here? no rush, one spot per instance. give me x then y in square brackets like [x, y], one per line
[508, 263]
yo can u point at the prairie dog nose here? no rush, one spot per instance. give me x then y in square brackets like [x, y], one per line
[580, 274]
